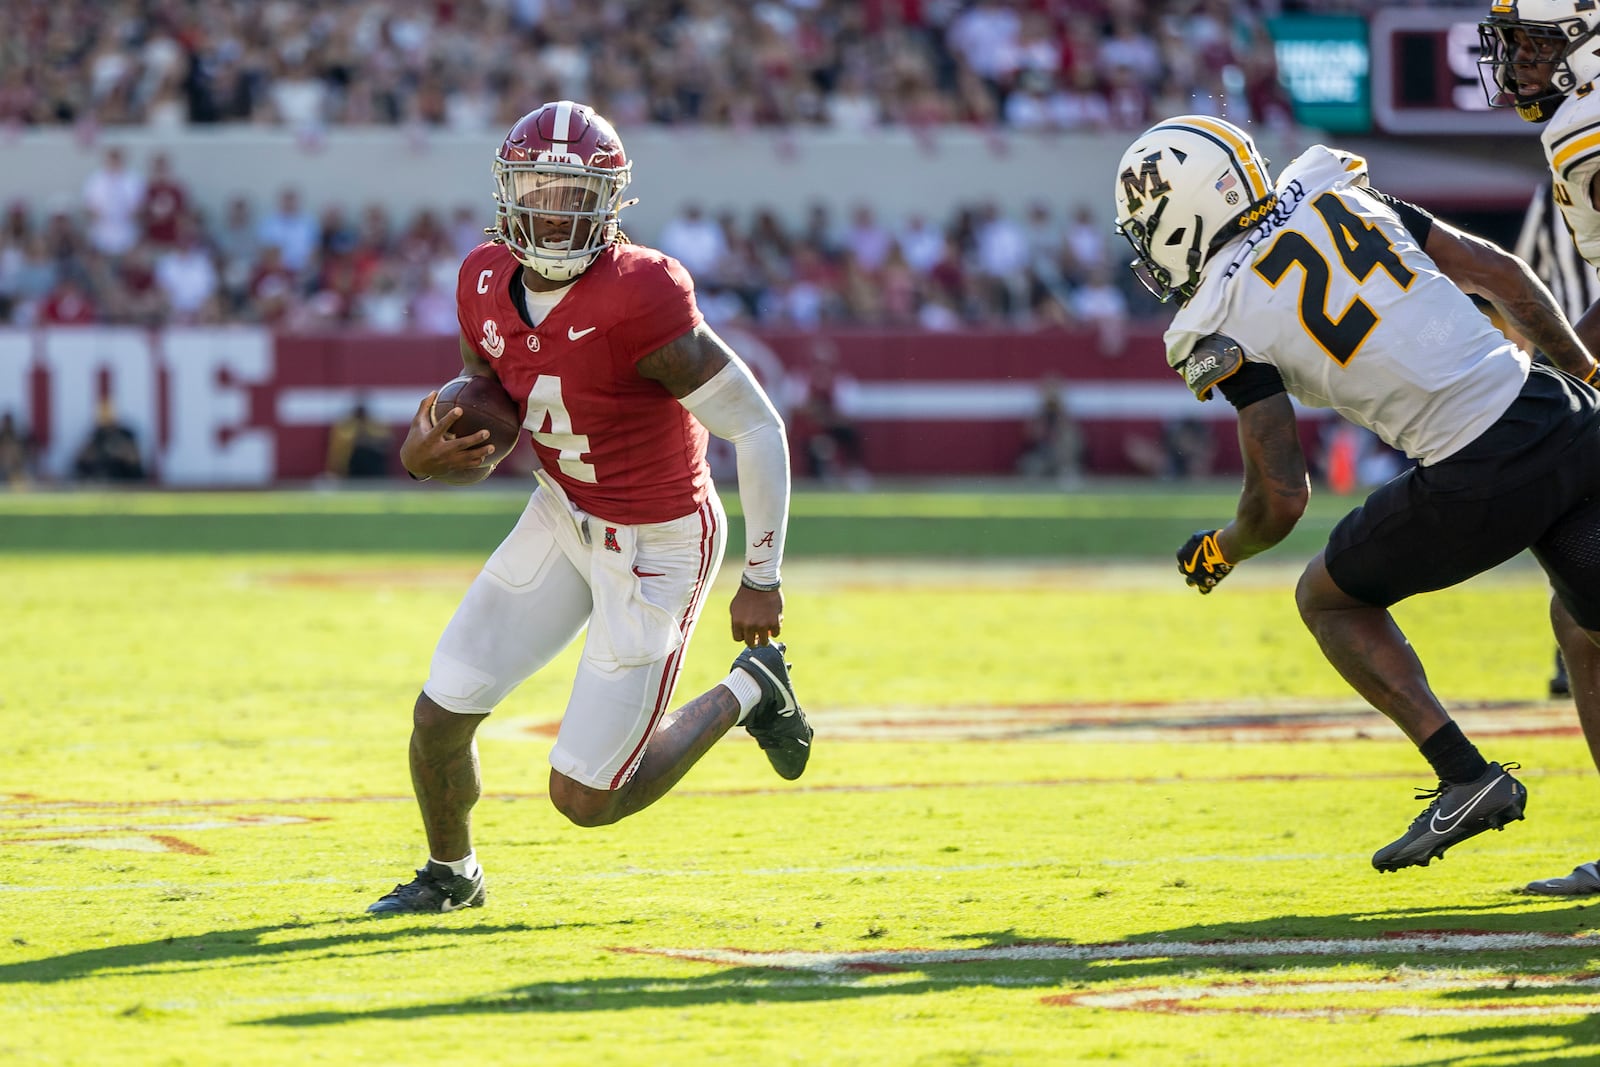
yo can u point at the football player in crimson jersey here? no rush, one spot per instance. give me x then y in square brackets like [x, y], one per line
[619, 380]
[1542, 57]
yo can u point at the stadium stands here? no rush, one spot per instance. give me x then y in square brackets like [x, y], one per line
[473, 66]
[926, 175]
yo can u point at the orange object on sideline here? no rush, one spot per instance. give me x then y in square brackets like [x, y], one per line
[1343, 459]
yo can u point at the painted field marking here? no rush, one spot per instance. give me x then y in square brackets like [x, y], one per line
[1221, 998]
[140, 887]
[1576, 993]
[128, 826]
[1171, 1000]
[1235, 721]
[152, 826]
[885, 960]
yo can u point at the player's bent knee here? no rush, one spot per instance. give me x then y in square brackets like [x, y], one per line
[1306, 597]
[434, 725]
[584, 805]
[1316, 592]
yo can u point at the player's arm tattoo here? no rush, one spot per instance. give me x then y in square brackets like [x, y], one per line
[1483, 268]
[1276, 486]
[1533, 313]
[685, 364]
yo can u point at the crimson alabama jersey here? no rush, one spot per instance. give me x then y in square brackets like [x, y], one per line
[621, 446]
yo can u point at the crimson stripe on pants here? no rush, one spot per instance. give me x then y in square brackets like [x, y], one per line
[669, 671]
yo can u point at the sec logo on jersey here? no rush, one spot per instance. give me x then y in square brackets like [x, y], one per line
[492, 342]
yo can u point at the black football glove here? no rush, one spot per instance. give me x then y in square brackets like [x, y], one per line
[1201, 563]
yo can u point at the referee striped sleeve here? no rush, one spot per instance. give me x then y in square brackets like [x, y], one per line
[1548, 247]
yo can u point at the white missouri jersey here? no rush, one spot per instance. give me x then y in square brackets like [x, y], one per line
[1572, 147]
[1334, 292]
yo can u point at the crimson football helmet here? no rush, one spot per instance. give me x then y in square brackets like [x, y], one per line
[1521, 36]
[558, 183]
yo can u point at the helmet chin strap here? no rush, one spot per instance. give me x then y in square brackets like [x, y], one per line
[557, 271]
[563, 269]
[1194, 258]
[1540, 109]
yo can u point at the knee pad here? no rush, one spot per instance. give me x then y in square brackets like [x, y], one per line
[455, 686]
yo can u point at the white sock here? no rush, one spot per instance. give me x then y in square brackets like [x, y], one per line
[746, 689]
[465, 867]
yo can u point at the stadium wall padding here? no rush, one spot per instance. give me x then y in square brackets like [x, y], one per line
[240, 406]
[897, 171]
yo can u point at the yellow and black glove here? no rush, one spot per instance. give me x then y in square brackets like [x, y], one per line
[1201, 563]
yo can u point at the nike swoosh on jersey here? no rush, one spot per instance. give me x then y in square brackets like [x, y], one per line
[573, 335]
[1449, 822]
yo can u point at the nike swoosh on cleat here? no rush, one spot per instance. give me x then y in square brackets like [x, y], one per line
[788, 702]
[1451, 821]
[573, 335]
[450, 905]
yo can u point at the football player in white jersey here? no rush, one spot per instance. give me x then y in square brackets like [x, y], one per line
[1542, 57]
[1319, 288]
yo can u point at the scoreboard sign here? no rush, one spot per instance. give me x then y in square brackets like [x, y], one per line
[1323, 62]
[1425, 75]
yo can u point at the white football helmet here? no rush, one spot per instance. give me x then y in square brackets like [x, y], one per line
[1185, 188]
[1537, 52]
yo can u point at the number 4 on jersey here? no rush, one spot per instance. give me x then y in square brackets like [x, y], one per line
[547, 409]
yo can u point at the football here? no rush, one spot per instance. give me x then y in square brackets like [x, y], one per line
[485, 405]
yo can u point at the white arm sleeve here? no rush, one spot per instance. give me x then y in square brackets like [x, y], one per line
[733, 406]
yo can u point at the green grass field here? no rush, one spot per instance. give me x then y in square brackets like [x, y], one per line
[1061, 809]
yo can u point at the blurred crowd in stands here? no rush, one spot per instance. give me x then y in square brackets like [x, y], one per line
[137, 250]
[475, 64]
[134, 250]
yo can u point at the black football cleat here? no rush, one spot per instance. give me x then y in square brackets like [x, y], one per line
[776, 722]
[1584, 881]
[1560, 684]
[434, 889]
[1456, 813]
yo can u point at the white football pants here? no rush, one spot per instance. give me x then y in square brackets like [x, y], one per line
[638, 590]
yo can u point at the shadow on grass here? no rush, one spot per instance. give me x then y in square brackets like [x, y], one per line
[252, 946]
[806, 977]
[870, 971]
